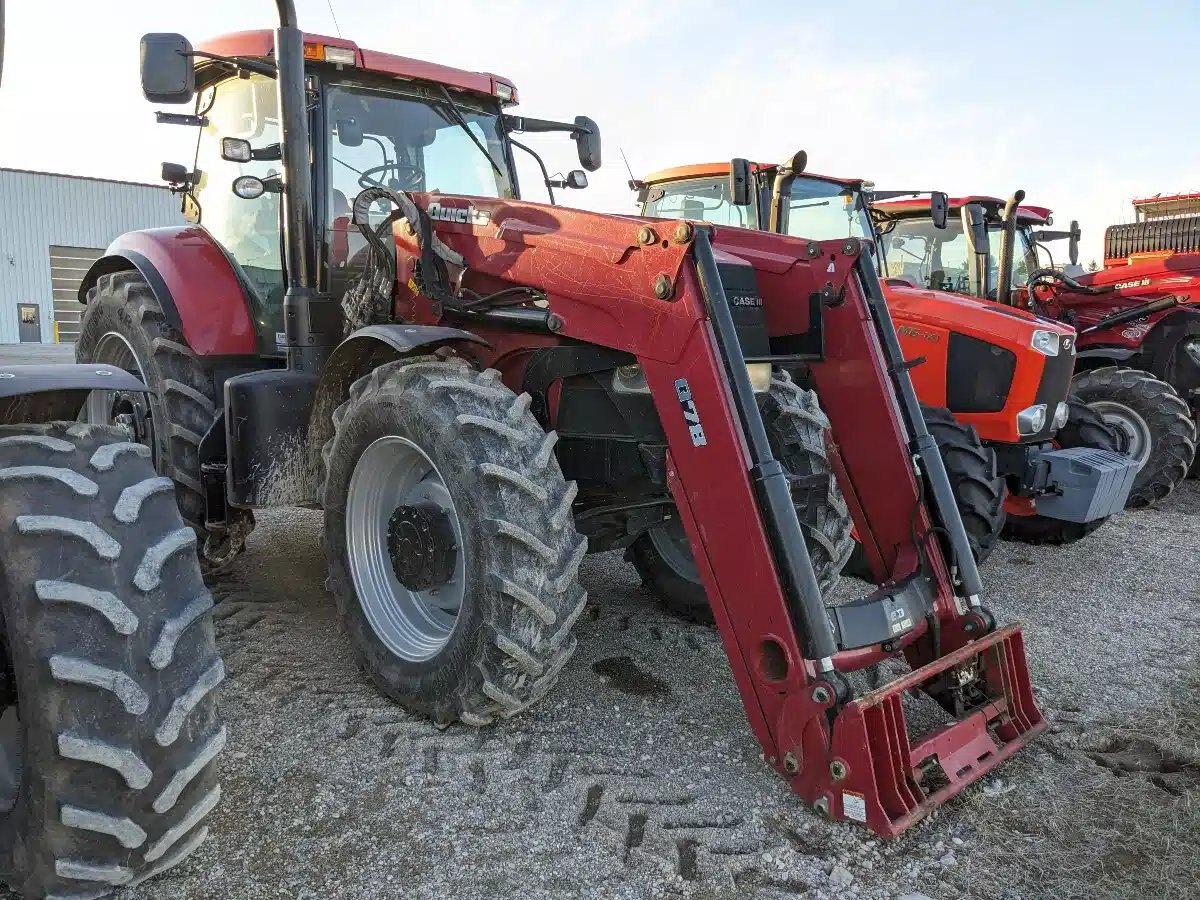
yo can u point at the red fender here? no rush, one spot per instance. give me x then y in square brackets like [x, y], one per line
[193, 280]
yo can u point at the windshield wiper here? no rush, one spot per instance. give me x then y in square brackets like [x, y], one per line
[461, 122]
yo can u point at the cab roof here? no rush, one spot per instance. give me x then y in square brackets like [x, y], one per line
[719, 169]
[919, 206]
[261, 44]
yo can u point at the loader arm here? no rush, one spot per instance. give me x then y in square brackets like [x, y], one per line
[652, 289]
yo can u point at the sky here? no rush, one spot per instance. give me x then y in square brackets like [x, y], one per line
[1082, 105]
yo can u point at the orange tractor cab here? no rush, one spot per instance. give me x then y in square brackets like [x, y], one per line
[1138, 362]
[1002, 373]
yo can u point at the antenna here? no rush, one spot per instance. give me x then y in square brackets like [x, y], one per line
[634, 184]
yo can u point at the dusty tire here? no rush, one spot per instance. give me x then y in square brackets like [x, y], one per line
[114, 664]
[796, 430]
[183, 401]
[978, 488]
[511, 635]
[1151, 419]
[1084, 428]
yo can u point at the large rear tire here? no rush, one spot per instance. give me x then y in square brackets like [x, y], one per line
[453, 555]
[1152, 422]
[978, 488]
[124, 325]
[796, 430]
[111, 727]
[1085, 428]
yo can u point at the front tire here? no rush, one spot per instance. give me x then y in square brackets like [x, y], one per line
[1152, 422]
[458, 602]
[1085, 428]
[109, 747]
[124, 325]
[796, 431]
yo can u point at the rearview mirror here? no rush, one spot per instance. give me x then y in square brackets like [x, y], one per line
[739, 182]
[587, 136]
[939, 208]
[167, 73]
[1073, 246]
[350, 133]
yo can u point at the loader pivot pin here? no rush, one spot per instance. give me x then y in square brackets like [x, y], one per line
[421, 546]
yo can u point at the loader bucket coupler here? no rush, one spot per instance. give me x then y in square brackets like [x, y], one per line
[892, 779]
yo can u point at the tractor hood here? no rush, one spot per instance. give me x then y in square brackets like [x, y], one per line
[984, 319]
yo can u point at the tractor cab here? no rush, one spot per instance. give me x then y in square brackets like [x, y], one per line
[945, 258]
[377, 120]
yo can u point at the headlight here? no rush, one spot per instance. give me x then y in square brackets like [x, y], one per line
[1062, 412]
[1032, 420]
[1045, 342]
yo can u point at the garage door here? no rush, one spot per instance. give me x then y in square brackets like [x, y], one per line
[68, 265]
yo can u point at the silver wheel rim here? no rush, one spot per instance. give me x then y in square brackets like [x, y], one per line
[1135, 433]
[102, 407]
[671, 542]
[394, 472]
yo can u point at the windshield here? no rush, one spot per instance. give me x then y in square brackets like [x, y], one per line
[411, 143]
[824, 210]
[703, 199]
[938, 258]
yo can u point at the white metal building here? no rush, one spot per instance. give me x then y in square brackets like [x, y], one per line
[51, 228]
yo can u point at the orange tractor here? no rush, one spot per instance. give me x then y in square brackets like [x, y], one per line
[1024, 457]
[1138, 360]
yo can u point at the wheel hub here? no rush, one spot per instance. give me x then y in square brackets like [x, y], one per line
[421, 545]
[1133, 433]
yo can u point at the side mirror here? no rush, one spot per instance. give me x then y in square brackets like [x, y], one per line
[740, 182]
[167, 73]
[1073, 246]
[350, 133]
[576, 179]
[587, 136]
[939, 208]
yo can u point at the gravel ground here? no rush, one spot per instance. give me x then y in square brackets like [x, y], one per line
[639, 778]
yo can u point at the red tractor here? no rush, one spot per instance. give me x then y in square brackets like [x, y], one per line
[477, 390]
[1138, 325]
[985, 372]
[108, 719]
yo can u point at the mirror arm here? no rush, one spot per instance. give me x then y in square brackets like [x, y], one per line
[529, 126]
[166, 118]
[541, 165]
[257, 66]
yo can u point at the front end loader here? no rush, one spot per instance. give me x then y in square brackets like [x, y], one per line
[1138, 327]
[477, 390]
[1022, 456]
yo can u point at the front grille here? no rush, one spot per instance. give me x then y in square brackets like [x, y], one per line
[979, 375]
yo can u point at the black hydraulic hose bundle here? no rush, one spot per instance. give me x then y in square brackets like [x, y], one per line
[1047, 275]
[369, 300]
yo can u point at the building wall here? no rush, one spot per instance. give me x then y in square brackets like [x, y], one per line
[39, 210]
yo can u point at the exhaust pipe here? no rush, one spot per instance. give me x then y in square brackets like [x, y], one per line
[1008, 237]
[782, 187]
[312, 322]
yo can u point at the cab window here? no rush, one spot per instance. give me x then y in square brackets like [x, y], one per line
[705, 200]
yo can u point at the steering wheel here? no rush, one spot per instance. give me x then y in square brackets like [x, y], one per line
[366, 178]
